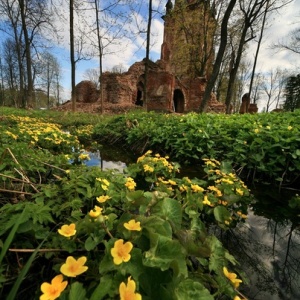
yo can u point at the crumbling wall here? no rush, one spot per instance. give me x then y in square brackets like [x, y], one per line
[86, 92]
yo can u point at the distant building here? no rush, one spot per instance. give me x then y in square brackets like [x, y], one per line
[176, 82]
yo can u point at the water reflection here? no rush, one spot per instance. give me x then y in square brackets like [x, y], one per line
[108, 159]
[268, 252]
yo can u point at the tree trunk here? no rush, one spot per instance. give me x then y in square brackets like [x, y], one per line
[258, 48]
[216, 68]
[145, 96]
[100, 55]
[72, 56]
[234, 69]
[30, 91]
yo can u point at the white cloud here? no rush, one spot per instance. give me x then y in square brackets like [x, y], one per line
[126, 51]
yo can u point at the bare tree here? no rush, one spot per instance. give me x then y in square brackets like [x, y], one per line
[93, 75]
[147, 54]
[252, 11]
[48, 72]
[273, 86]
[72, 56]
[10, 13]
[216, 68]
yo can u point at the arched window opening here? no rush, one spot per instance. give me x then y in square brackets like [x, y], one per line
[139, 94]
[178, 101]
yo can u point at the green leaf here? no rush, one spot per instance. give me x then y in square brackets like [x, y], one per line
[11, 235]
[158, 225]
[77, 291]
[103, 288]
[13, 292]
[190, 289]
[166, 253]
[170, 210]
[221, 214]
[91, 243]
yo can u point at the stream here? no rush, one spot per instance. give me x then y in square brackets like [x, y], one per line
[267, 245]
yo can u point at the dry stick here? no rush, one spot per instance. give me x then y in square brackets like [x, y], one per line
[22, 172]
[42, 250]
[49, 165]
[32, 250]
[244, 297]
[13, 178]
[17, 192]
[26, 179]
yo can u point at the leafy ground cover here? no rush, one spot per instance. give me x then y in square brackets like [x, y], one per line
[260, 147]
[69, 231]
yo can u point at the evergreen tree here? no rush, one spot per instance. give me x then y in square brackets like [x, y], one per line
[292, 93]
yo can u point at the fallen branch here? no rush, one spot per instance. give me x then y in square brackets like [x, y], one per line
[13, 191]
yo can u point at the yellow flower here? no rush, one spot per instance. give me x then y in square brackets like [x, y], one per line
[96, 212]
[105, 184]
[130, 184]
[172, 182]
[290, 128]
[147, 168]
[196, 188]
[102, 198]
[67, 230]
[232, 277]
[104, 187]
[52, 291]
[83, 156]
[227, 180]
[239, 191]
[210, 163]
[132, 225]
[73, 267]
[256, 130]
[206, 201]
[105, 181]
[183, 188]
[120, 251]
[242, 215]
[237, 298]
[127, 292]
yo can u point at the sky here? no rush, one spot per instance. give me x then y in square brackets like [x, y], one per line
[127, 51]
[278, 29]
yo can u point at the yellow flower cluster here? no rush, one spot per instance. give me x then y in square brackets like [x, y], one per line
[36, 128]
[148, 168]
[84, 156]
[211, 162]
[130, 184]
[14, 136]
[84, 130]
[155, 163]
[104, 183]
[71, 268]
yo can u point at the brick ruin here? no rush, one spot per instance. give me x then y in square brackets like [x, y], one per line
[176, 82]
